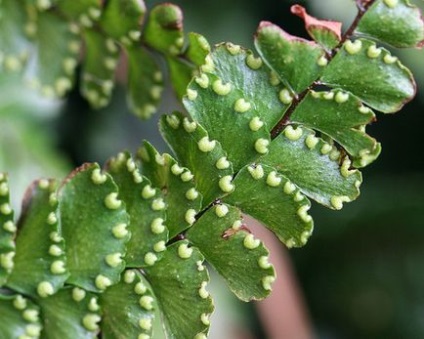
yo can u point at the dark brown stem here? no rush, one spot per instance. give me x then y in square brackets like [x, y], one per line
[363, 6]
[285, 120]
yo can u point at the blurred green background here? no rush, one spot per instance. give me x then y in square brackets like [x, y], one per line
[362, 273]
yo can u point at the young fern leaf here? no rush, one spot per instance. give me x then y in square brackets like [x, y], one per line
[7, 231]
[164, 29]
[235, 254]
[179, 282]
[40, 262]
[326, 33]
[145, 207]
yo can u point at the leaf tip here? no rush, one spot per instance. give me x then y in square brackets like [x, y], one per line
[312, 23]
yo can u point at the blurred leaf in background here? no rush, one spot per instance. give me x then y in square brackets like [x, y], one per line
[27, 137]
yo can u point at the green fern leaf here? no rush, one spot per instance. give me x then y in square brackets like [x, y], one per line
[40, 262]
[164, 29]
[14, 45]
[298, 62]
[181, 73]
[145, 82]
[235, 89]
[200, 154]
[99, 65]
[343, 118]
[19, 317]
[51, 68]
[7, 231]
[122, 20]
[395, 22]
[324, 32]
[70, 313]
[85, 12]
[179, 282]
[94, 225]
[372, 74]
[313, 165]
[275, 201]
[182, 199]
[123, 314]
[198, 48]
[235, 254]
[146, 208]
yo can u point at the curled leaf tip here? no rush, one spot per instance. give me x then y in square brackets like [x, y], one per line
[171, 16]
[312, 23]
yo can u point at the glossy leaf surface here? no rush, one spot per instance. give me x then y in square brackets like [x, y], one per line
[145, 206]
[320, 177]
[94, 225]
[274, 201]
[236, 255]
[179, 282]
[372, 74]
[296, 61]
[40, 253]
[182, 198]
[21, 316]
[123, 314]
[70, 313]
[397, 23]
[342, 117]
[235, 92]
[203, 156]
